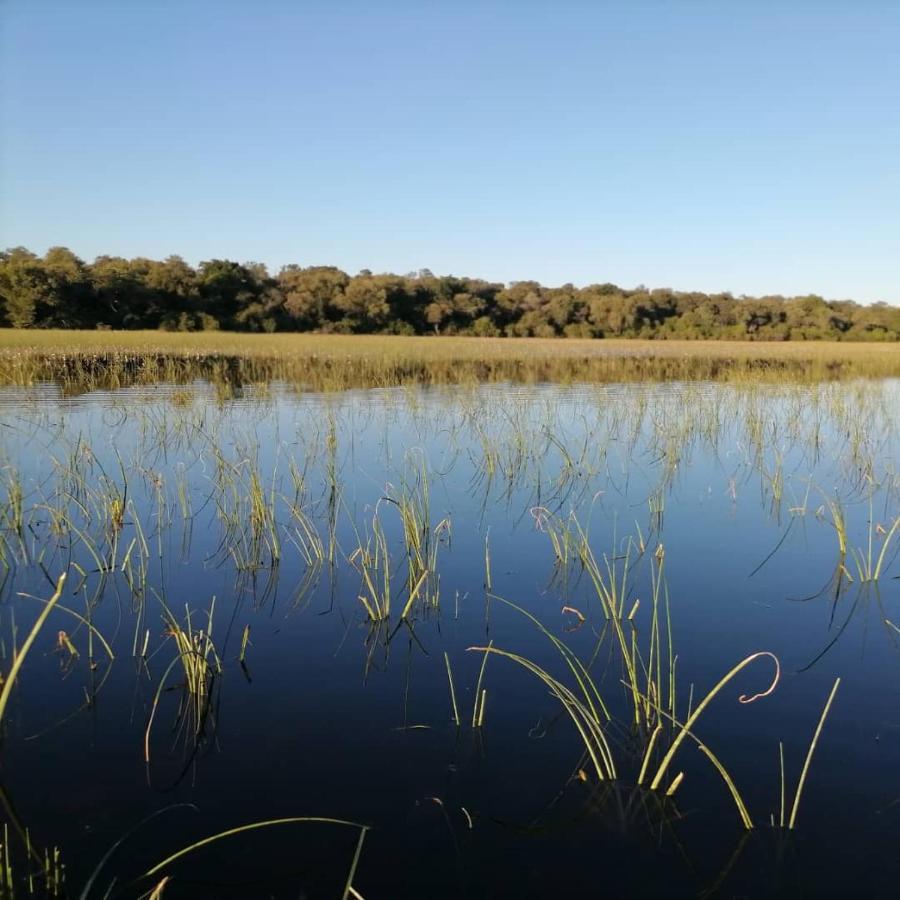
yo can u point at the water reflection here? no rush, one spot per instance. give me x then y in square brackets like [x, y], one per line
[270, 603]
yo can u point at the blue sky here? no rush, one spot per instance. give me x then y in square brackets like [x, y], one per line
[743, 146]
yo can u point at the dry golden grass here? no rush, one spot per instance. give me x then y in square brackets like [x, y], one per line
[430, 347]
[336, 361]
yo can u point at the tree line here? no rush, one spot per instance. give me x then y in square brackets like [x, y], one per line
[59, 290]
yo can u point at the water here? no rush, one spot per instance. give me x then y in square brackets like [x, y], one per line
[735, 490]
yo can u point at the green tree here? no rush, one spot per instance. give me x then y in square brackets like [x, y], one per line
[367, 302]
[24, 287]
[225, 287]
[312, 295]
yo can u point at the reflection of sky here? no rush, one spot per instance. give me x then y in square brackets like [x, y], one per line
[605, 454]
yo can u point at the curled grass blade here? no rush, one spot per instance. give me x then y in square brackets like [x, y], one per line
[673, 749]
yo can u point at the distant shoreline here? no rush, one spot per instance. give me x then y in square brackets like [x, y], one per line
[59, 290]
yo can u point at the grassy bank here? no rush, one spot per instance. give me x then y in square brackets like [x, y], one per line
[87, 359]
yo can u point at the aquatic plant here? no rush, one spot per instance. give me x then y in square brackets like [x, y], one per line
[10, 678]
[200, 666]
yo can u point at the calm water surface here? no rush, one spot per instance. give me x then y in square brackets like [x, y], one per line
[194, 502]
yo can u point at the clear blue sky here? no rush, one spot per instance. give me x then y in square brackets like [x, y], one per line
[746, 146]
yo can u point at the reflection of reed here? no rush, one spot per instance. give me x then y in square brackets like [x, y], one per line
[317, 363]
[273, 502]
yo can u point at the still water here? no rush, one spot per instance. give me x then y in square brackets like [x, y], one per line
[283, 536]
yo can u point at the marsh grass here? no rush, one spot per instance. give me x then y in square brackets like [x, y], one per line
[648, 675]
[200, 667]
[585, 707]
[372, 560]
[869, 568]
[37, 872]
[19, 657]
[421, 539]
[46, 867]
[610, 578]
[112, 360]
[792, 821]
[159, 868]
[44, 873]
[107, 519]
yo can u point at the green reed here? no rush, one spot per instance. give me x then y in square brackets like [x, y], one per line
[19, 658]
[200, 666]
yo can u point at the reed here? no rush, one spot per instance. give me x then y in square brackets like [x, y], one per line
[112, 360]
[809, 755]
[200, 666]
[19, 659]
[158, 869]
[585, 707]
[610, 579]
[421, 538]
[44, 871]
[264, 494]
[452, 690]
[870, 568]
[373, 562]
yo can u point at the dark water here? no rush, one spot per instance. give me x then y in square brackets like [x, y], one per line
[333, 716]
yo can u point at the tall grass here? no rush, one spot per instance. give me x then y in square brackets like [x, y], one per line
[585, 707]
[198, 661]
[334, 362]
[264, 501]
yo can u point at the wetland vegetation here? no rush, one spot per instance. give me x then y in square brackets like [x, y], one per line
[321, 582]
[80, 361]
[382, 617]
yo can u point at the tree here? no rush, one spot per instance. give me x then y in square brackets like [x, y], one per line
[225, 286]
[312, 295]
[367, 301]
[59, 290]
[24, 287]
[70, 295]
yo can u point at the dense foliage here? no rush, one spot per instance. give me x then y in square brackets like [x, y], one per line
[59, 290]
